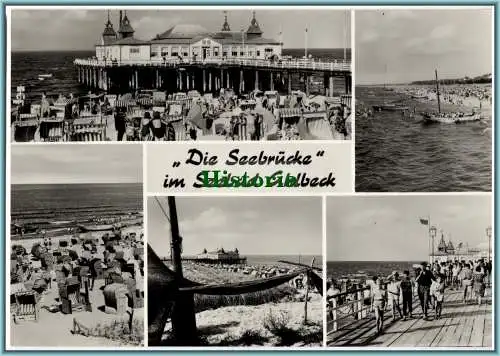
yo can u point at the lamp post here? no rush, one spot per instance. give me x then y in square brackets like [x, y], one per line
[488, 234]
[432, 232]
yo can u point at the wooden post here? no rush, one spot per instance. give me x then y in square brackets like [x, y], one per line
[289, 83]
[256, 79]
[334, 313]
[183, 316]
[307, 292]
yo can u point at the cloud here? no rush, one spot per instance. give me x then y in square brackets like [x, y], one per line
[400, 14]
[369, 36]
[210, 219]
[442, 32]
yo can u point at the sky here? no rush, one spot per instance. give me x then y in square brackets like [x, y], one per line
[76, 163]
[254, 225]
[78, 29]
[411, 44]
[375, 228]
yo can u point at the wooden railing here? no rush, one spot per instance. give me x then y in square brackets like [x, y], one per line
[306, 64]
[353, 303]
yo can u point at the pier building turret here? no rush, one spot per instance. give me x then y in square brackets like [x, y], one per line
[125, 30]
[254, 30]
[108, 35]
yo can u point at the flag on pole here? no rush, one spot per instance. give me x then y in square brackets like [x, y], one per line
[424, 221]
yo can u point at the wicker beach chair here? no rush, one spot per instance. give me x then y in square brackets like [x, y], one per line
[71, 300]
[27, 307]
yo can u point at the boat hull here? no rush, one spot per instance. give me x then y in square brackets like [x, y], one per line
[434, 119]
[96, 227]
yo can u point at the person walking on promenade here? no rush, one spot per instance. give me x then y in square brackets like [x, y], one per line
[407, 293]
[424, 280]
[394, 292]
[379, 299]
[467, 282]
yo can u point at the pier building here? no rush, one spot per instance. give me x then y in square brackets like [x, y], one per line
[189, 57]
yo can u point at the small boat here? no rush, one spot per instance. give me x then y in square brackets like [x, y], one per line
[104, 227]
[389, 107]
[44, 76]
[448, 117]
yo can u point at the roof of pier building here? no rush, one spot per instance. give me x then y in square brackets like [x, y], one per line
[192, 33]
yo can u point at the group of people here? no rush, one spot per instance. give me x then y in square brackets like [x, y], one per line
[430, 282]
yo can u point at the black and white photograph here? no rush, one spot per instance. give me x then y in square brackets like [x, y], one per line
[235, 271]
[407, 271]
[165, 74]
[76, 247]
[424, 99]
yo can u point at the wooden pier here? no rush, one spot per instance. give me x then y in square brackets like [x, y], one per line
[460, 325]
[210, 75]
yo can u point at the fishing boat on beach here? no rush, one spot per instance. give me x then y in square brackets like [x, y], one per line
[42, 77]
[96, 227]
[448, 117]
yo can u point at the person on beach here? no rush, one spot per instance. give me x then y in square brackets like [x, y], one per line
[394, 293]
[407, 294]
[424, 280]
[478, 284]
[120, 124]
[437, 291]
[379, 299]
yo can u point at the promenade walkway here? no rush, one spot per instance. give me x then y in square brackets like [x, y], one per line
[460, 325]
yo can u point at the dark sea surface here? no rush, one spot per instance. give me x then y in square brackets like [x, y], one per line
[402, 155]
[63, 202]
[371, 268]
[26, 66]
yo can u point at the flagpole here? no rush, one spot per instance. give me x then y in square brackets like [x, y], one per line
[305, 44]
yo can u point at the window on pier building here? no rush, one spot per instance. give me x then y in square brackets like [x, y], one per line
[234, 54]
[164, 52]
[258, 53]
[268, 50]
[224, 54]
[216, 51]
[134, 50]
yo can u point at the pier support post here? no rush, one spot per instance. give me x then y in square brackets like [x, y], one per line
[272, 81]
[180, 81]
[256, 80]
[242, 81]
[136, 80]
[193, 84]
[157, 76]
[188, 82]
[221, 84]
[330, 86]
[228, 84]
[289, 83]
[204, 82]
[347, 84]
[209, 80]
[306, 79]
